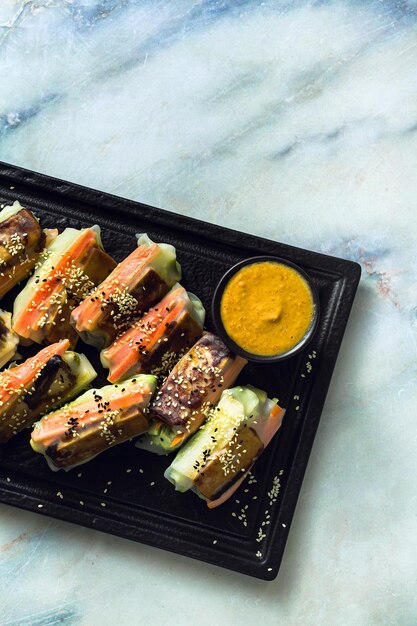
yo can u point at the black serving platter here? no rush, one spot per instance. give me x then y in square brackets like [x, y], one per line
[248, 533]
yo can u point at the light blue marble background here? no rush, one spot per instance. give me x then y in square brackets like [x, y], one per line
[292, 120]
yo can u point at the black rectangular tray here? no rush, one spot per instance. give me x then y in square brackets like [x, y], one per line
[248, 533]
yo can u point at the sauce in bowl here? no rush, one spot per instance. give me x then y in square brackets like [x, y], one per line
[267, 307]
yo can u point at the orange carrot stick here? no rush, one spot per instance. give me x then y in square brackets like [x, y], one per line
[177, 440]
[122, 350]
[54, 425]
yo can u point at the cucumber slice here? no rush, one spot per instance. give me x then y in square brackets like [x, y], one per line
[10, 210]
[236, 406]
[198, 312]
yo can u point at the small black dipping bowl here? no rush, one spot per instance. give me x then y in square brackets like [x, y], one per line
[215, 310]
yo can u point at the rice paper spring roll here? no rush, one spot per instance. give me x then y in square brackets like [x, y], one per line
[40, 384]
[68, 269]
[189, 392]
[156, 341]
[21, 241]
[97, 420]
[136, 284]
[215, 461]
[8, 339]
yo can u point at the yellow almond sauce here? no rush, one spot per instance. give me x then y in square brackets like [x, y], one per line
[267, 308]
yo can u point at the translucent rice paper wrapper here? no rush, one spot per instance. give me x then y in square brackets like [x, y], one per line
[155, 342]
[189, 392]
[96, 421]
[40, 384]
[68, 269]
[135, 285]
[215, 461]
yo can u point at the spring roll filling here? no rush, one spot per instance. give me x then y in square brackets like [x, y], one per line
[95, 421]
[66, 273]
[21, 241]
[136, 284]
[214, 461]
[57, 380]
[189, 393]
[198, 374]
[158, 340]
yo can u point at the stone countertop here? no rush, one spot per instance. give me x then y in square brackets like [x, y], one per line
[295, 121]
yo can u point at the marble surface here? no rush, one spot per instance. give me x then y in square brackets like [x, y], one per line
[292, 120]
